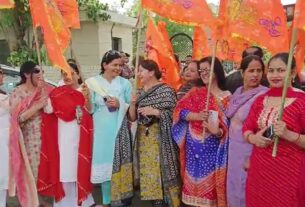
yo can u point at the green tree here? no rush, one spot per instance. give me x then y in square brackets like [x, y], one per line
[15, 25]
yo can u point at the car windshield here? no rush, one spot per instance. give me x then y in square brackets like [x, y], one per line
[11, 78]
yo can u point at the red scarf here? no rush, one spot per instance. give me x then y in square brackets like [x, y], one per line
[64, 101]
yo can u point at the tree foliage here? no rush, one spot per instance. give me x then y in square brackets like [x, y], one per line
[15, 24]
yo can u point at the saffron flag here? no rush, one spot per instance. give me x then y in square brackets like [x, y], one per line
[299, 23]
[69, 12]
[201, 47]
[193, 12]
[55, 33]
[300, 50]
[162, 54]
[299, 14]
[260, 22]
[228, 48]
[6, 4]
[163, 31]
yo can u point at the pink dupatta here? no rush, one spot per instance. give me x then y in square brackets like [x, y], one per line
[21, 176]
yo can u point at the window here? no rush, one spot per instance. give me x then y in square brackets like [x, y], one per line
[117, 43]
[4, 51]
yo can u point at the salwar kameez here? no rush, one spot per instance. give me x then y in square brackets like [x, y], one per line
[111, 134]
[156, 163]
[275, 181]
[239, 149]
[70, 140]
[25, 145]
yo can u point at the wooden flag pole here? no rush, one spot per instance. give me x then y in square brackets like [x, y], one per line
[37, 46]
[286, 85]
[139, 33]
[210, 84]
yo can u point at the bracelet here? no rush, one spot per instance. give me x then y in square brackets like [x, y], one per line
[297, 140]
[248, 138]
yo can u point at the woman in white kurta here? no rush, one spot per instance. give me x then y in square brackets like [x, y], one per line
[67, 116]
[4, 140]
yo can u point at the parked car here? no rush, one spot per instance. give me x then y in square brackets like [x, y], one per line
[12, 77]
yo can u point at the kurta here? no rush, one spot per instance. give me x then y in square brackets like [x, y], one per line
[68, 143]
[275, 181]
[239, 149]
[25, 145]
[107, 124]
[203, 160]
[30, 130]
[66, 150]
[4, 141]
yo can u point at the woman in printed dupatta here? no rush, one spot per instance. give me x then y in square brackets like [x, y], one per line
[203, 159]
[157, 169]
[275, 181]
[191, 78]
[112, 147]
[66, 149]
[4, 142]
[26, 104]
[252, 69]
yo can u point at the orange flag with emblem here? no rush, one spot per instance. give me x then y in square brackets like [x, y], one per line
[162, 54]
[6, 4]
[69, 12]
[228, 48]
[260, 22]
[55, 33]
[193, 12]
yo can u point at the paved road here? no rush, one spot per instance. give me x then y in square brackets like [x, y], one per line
[12, 202]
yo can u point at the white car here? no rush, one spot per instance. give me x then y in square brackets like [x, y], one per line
[12, 77]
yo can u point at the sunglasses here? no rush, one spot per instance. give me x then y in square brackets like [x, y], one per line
[111, 52]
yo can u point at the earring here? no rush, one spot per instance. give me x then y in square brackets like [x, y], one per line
[293, 80]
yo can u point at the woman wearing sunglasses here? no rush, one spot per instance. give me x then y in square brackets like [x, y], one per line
[112, 153]
[4, 143]
[27, 102]
[66, 148]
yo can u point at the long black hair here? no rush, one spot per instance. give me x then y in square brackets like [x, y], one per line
[218, 71]
[26, 68]
[108, 57]
[76, 69]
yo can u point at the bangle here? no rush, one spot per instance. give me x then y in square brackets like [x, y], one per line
[248, 138]
[297, 140]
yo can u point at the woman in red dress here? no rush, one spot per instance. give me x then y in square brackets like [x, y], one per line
[276, 181]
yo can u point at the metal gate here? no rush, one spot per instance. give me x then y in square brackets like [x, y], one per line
[182, 45]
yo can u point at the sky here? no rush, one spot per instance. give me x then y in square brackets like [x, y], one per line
[116, 4]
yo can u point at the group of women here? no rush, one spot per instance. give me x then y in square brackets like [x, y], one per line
[208, 150]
